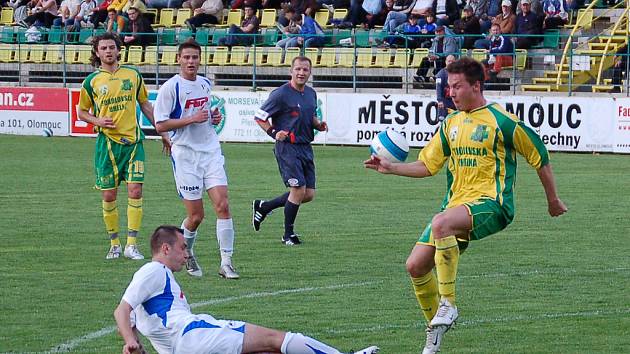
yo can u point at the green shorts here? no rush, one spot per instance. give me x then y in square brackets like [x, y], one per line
[114, 162]
[488, 217]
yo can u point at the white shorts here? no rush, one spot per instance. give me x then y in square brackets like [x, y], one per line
[206, 335]
[195, 172]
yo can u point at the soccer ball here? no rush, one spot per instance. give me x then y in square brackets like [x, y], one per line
[391, 145]
[47, 132]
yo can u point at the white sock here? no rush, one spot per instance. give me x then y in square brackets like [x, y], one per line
[225, 237]
[297, 343]
[190, 237]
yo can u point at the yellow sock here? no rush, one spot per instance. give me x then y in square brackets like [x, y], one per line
[446, 259]
[134, 219]
[426, 289]
[110, 216]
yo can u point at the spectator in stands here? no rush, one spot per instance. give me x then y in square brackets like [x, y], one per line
[378, 19]
[137, 4]
[356, 15]
[446, 12]
[193, 4]
[99, 13]
[445, 102]
[245, 34]
[573, 5]
[507, 19]
[444, 43]
[20, 9]
[406, 35]
[271, 4]
[68, 10]
[115, 23]
[311, 35]
[469, 27]
[528, 26]
[535, 7]
[290, 30]
[43, 14]
[398, 15]
[161, 4]
[209, 12]
[555, 14]
[500, 53]
[331, 5]
[84, 16]
[427, 31]
[620, 68]
[480, 10]
[307, 7]
[138, 30]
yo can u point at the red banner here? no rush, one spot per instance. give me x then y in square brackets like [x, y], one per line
[33, 99]
[77, 126]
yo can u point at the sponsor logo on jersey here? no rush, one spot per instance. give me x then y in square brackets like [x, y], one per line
[196, 102]
[126, 85]
[189, 188]
[453, 133]
[293, 182]
[480, 134]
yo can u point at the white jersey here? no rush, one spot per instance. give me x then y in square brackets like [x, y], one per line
[180, 98]
[160, 307]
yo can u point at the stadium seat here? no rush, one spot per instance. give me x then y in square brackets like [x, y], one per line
[55, 35]
[362, 38]
[274, 57]
[382, 58]
[584, 19]
[6, 53]
[521, 59]
[479, 54]
[166, 18]
[233, 18]
[85, 35]
[36, 54]
[289, 55]
[134, 55]
[21, 54]
[418, 55]
[168, 36]
[346, 57]
[313, 54]
[84, 52]
[169, 55]
[257, 55]
[269, 36]
[328, 58]
[321, 17]
[70, 54]
[238, 56]
[340, 14]
[182, 16]
[364, 57]
[217, 35]
[7, 35]
[401, 58]
[268, 18]
[203, 36]
[151, 55]
[53, 54]
[220, 56]
[183, 35]
[152, 15]
[6, 16]
[551, 40]
[338, 35]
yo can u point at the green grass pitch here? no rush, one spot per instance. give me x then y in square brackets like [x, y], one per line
[542, 286]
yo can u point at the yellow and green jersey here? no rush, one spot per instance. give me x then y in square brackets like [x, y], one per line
[480, 147]
[114, 95]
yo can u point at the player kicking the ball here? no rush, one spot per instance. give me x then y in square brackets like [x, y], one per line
[182, 107]
[480, 142]
[158, 306]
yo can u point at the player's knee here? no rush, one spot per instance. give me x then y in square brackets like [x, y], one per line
[195, 220]
[222, 208]
[309, 195]
[134, 193]
[417, 267]
[439, 226]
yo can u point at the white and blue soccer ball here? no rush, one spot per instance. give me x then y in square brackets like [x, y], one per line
[391, 145]
[47, 132]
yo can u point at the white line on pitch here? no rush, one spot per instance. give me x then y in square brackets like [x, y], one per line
[73, 343]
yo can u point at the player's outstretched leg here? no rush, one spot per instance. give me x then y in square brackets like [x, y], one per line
[263, 208]
[297, 343]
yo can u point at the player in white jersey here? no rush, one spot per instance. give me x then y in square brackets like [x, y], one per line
[156, 306]
[182, 108]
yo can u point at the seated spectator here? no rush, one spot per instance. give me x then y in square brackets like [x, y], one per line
[574, 5]
[444, 43]
[244, 34]
[398, 15]
[162, 4]
[271, 4]
[193, 4]
[529, 26]
[43, 14]
[138, 30]
[427, 31]
[82, 19]
[209, 12]
[20, 9]
[535, 7]
[99, 13]
[507, 19]
[137, 4]
[469, 27]
[409, 28]
[115, 22]
[307, 7]
[500, 53]
[290, 30]
[309, 35]
[376, 12]
[446, 12]
[68, 10]
[555, 14]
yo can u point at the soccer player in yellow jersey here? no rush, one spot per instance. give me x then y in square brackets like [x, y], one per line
[480, 142]
[108, 101]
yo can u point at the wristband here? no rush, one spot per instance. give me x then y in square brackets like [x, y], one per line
[272, 132]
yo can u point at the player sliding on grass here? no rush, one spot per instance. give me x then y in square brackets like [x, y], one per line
[182, 107]
[480, 142]
[108, 101]
[158, 307]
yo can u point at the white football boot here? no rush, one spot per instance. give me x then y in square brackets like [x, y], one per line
[132, 252]
[369, 350]
[446, 314]
[228, 272]
[114, 252]
[192, 267]
[434, 339]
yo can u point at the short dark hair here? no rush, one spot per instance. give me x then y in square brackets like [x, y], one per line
[472, 70]
[289, 10]
[302, 58]
[189, 43]
[296, 17]
[94, 59]
[164, 234]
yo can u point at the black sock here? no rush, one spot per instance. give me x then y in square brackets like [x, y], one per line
[290, 213]
[275, 203]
